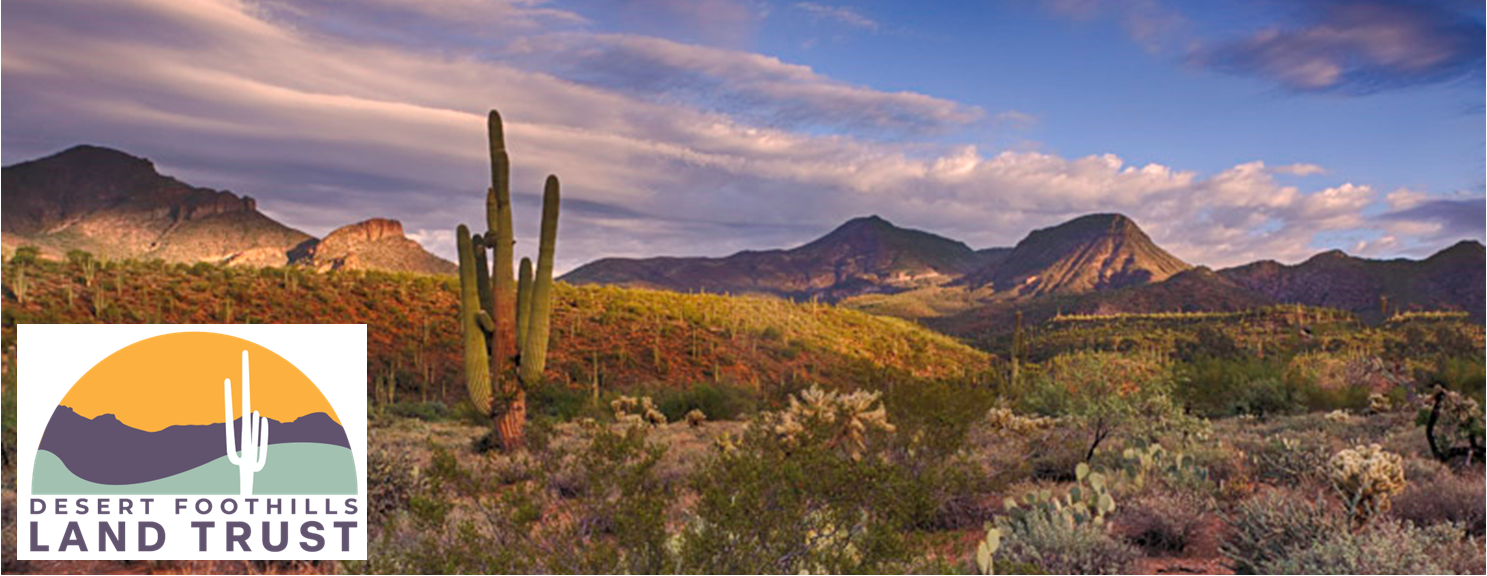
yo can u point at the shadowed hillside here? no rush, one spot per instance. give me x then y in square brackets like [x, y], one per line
[863, 256]
[617, 337]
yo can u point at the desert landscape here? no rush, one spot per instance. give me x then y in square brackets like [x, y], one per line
[651, 360]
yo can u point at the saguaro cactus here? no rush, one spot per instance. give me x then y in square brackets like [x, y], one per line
[505, 323]
[255, 434]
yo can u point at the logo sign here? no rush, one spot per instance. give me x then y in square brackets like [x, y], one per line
[191, 442]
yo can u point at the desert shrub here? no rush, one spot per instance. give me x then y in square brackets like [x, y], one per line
[1268, 526]
[392, 481]
[809, 488]
[7, 420]
[1384, 548]
[1047, 540]
[1466, 374]
[1322, 382]
[426, 411]
[933, 421]
[8, 562]
[1163, 521]
[1216, 387]
[1443, 498]
[1108, 394]
[1288, 459]
[717, 401]
[621, 505]
[564, 403]
[936, 416]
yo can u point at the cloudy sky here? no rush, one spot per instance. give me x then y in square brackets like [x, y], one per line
[1231, 131]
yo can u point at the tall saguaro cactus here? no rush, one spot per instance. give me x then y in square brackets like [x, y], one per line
[505, 322]
[254, 437]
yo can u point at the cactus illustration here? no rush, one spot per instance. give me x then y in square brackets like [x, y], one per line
[505, 322]
[255, 434]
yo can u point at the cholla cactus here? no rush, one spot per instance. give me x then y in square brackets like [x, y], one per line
[633, 410]
[695, 418]
[1002, 419]
[847, 417]
[1380, 404]
[1366, 477]
[1339, 416]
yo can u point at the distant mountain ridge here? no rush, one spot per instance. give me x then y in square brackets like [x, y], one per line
[116, 206]
[862, 256]
[1097, 263]
[1453, 278]
[1086, 254]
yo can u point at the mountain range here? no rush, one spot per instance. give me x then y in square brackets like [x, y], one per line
[1093, 263]
[116, 206]
[864, 255]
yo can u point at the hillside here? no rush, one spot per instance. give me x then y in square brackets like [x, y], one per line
[376, 244]
[1086, 254]
[1451, 279]
[119, 206]
[863, 256]
[621, 337]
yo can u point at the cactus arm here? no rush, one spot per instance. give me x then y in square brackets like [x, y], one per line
[534, 360]
[483, 283]
[262, 442]
[477, 368]
[232, 453]
[523, 304]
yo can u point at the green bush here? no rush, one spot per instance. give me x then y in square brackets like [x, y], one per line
[1048, 541]
[717, 401]
[1445, 498]
[1467, 375]
[1216, 387]
[426, 411]
[1269, 526]
[1163, 521]
[796, 492]
[563, 403]
[1110, 395]
[1383, 548]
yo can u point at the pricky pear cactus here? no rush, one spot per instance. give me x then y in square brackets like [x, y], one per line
[254, 438]
[505, 323]
[986, 551]
[1089, 501]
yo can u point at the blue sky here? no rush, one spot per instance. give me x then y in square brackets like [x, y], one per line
[1231, 131]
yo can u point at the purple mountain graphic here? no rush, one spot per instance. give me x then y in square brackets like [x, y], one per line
[107, 451]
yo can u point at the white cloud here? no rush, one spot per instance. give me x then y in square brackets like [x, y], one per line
[839, 14]
[326, 130]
